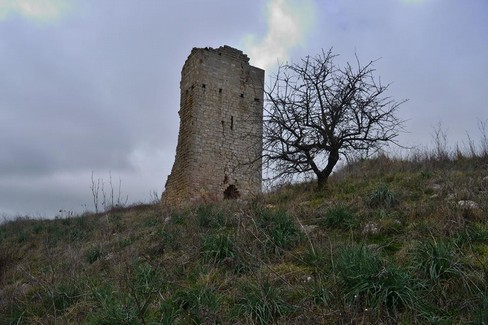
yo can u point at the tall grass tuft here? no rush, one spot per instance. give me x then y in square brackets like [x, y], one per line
[339, 216]
[383, 197]
[209, 216]
[280, 230]
[217, 248]
[197, 304]
[372, 283]
[437, 260]
[261, 303]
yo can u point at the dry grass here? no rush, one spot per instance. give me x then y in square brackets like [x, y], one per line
[282, 258]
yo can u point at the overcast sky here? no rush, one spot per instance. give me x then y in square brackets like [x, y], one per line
[93, 85]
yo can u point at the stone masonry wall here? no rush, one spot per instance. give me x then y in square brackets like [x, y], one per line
[220, 137]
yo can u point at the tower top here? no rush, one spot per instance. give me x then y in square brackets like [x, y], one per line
[225, 50]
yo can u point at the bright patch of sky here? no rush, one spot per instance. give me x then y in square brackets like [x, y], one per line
[38, 10]
[288, 24]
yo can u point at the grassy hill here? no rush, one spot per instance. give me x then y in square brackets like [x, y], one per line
[389, 242]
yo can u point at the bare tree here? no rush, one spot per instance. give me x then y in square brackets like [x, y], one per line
[317, 112]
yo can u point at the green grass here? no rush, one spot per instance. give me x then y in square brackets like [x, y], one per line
[279, 230]
[218, 248]
[383, 197]
[374, 283]
[261, 303]
[295, 255]
[339, 216]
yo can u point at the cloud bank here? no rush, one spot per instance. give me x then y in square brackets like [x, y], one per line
[288, 25]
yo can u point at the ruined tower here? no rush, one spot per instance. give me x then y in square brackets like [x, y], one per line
[221, 127]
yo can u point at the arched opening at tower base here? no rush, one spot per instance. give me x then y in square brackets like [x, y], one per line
[231, 193]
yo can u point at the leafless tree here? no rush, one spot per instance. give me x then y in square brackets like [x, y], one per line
[317, 112]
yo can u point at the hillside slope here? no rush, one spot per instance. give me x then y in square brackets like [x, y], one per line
[388, 242]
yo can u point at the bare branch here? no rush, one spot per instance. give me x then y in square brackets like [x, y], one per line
[317, 112]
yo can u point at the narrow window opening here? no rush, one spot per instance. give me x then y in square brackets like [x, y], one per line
[220, 90]
[256, 100]
[232, 122]
[242, 95]
[203, 85]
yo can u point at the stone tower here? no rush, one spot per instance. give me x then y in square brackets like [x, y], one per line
[221, 128]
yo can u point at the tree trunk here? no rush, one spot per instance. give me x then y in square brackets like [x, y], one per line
[321, 181]
[323, 176]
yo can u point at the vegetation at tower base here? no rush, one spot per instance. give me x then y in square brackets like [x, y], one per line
[317, 112]
[387, 243]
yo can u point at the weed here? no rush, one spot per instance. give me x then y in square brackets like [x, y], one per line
[316, 257]
[217, 248]
[55, 233]
[112, 308]
[142, 281]
[77, 235]
[473, 234]
[170, 238]
[151, 222]
[6, 262]
[437, 260]
[426, 174]
[37, 228]
[261, 303]
[450, 281]
[168, 311]
[178, 218]
[93, 254]
[382, 197]
[209, 216]
[22, 237]
[373, 283]
[199, 304]
[65, 295]
[280, 230]
[339, 216]
[129, 303]
[320, 294]
[480, 312]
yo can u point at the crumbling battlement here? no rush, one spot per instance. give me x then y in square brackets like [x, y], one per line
[221, 128]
